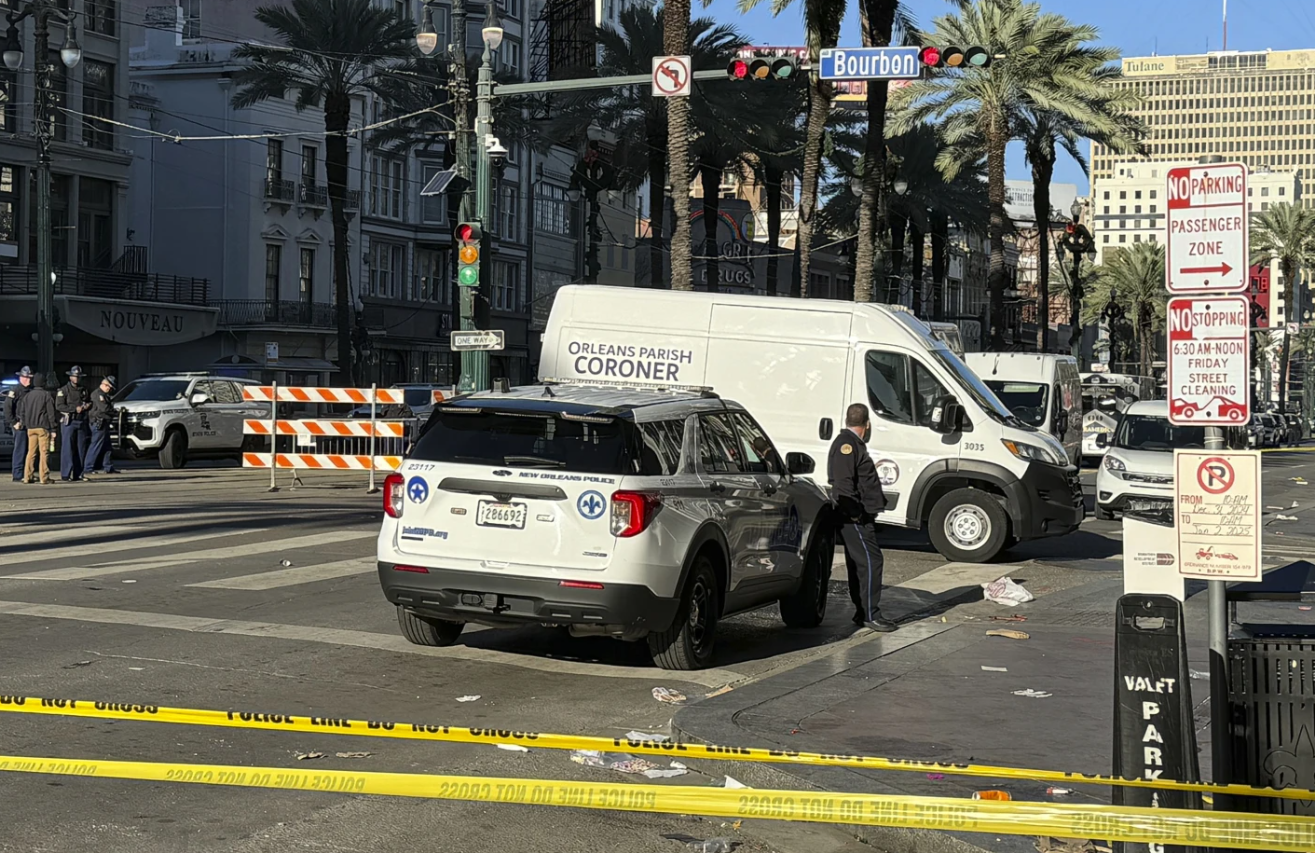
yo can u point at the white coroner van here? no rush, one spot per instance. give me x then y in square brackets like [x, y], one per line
[1042, 390]
[950, 456]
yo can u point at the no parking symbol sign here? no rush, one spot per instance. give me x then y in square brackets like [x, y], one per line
[1217, 514]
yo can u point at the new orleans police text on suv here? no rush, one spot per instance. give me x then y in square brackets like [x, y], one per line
[636, 514]
[181, 415]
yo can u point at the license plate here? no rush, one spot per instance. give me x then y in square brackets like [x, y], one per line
[492, 514]
[1148, 505]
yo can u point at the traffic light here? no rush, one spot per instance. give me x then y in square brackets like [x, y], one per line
[469, 238]
[975, 56]
[762, 68]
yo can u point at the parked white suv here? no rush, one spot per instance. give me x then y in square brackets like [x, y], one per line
[635, 514]
[1137, 470]
[178, 416]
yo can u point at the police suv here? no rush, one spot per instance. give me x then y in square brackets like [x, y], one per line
[177, 416]
[636, 514]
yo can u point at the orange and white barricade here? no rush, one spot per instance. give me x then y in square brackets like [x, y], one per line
[332, 444]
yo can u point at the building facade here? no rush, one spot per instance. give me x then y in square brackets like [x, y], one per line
[113, 311]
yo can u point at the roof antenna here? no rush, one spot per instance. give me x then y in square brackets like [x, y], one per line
[1225, 24]
[547, 391]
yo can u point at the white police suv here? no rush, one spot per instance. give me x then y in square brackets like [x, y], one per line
[636, 514]
[177, 416]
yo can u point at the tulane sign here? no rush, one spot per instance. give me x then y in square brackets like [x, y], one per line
[140, 323]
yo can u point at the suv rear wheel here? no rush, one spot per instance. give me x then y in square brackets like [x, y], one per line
[688, 643]
[968, 525]
[174, 452]
[806, 607]
[424, 631]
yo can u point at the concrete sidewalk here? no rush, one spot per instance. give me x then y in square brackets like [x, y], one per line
[924, 692]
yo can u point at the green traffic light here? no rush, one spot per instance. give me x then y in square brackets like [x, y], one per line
[468, 276]
[783, 69]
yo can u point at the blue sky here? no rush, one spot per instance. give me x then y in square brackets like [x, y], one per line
[1136, 27]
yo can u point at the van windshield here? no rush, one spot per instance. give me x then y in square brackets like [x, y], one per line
[1027, 400]
[552, 440]
[1150, 432]
[972, 383]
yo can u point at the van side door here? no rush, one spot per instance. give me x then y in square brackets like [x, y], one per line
[901, 392]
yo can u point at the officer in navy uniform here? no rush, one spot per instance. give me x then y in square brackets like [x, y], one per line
[73, 402]
[856, 491]
[12, 396]
[101, 416]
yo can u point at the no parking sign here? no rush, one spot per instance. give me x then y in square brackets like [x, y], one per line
[1217, 509]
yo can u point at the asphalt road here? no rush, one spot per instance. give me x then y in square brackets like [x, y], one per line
[170, 588]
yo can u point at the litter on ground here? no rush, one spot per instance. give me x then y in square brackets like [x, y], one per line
[307, 756]
[1010, 633]
[473, 698]
[666, 694]
[1006, 591]
[994, 669]
[1033, 694]
[511, 747]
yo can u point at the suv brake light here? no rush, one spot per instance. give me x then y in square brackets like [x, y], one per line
[393, 495]
[632, 512]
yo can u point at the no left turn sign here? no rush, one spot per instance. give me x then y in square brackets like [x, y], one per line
[671, 76]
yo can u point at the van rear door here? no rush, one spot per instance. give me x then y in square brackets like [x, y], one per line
[492, 489]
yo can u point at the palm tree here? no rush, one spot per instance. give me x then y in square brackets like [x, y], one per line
[1132, 278]
[329, 54]
[775, 141]
[1050, 68]
[1285, 233]
[676, 42]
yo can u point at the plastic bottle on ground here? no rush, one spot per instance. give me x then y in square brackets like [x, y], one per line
[1001, 796]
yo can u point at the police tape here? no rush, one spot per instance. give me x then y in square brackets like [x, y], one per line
[543, 740]
[1112, 823]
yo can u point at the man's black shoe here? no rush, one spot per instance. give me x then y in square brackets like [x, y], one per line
[881, 626]
[859, 619]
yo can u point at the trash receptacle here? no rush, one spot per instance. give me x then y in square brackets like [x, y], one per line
[1271, 693]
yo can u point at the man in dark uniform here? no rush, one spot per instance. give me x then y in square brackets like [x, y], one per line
[73, 402]
[12, 398]
[101, 415]
[858, 497]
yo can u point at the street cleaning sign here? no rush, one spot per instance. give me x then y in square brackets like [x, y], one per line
[1217, 503]
[1209, 361]
[1208, 229]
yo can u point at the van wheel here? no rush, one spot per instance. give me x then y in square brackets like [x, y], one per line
[968, 525]
[424, 631]
[688, 643]
[806, 606]
[174, 452]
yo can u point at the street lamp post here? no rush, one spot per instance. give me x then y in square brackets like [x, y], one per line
[41, 11]
[1077, 240]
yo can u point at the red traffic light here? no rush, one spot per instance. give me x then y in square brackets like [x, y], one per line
[738, 69]
[930, 56]
[467, 233]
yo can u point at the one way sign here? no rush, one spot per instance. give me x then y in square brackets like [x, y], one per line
[1208, 229]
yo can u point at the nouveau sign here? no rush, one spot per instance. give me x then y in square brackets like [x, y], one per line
[140, 323]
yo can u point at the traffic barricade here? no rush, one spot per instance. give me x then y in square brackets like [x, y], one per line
[329, 443]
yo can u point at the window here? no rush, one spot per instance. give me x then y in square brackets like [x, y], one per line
[661, 453]
[309, 164]
[1123, 208]
[525, 440]
[100, 17]
[306, 276]
[274, 161]
[759, 455]
[552, 211]
[402, 9]
[387, 269]
[1123, 194]
[509, 212]
[509, 57]
[431, 274]
[511, 8]
[433, 208]
[1264, 192]
[889, 394]
[1123, 238]
[273, 261]
[8, 114]
[387, 176]
[927, 390]
[191, 18]
[506, 286]
[224, 392]
[1137, 194]
[718, 445]
[1107, 195]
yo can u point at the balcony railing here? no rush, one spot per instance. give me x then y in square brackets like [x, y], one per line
[314, 195]
[261, 312]
[108, 284]
[354, 200]
[277, 189]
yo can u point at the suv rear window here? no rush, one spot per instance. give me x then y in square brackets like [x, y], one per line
[548, 440]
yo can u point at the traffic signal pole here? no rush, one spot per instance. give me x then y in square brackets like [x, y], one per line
[475, 365]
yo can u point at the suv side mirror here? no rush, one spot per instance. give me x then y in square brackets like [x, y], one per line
[946, 415]
[200, 398]
[1102, 439]
[799, 464]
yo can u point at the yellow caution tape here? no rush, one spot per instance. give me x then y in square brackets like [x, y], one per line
[1154, 826]
[543, 740]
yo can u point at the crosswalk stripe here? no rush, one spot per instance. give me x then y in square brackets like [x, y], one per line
[127, 544]
[293, 576]
[248, 550]
[56, 533]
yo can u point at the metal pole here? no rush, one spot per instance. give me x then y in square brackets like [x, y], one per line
[479, 360]
[461, 99]
[374, 426]
[44, 132]
[273, 436]
[1220, 730]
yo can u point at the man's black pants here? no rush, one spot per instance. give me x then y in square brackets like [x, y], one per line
[864, 561]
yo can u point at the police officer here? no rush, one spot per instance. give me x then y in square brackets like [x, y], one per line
[12, 398]
[858, 497]
[101, 415]
[73, 402]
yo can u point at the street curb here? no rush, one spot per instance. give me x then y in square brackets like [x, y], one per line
[713, 721]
